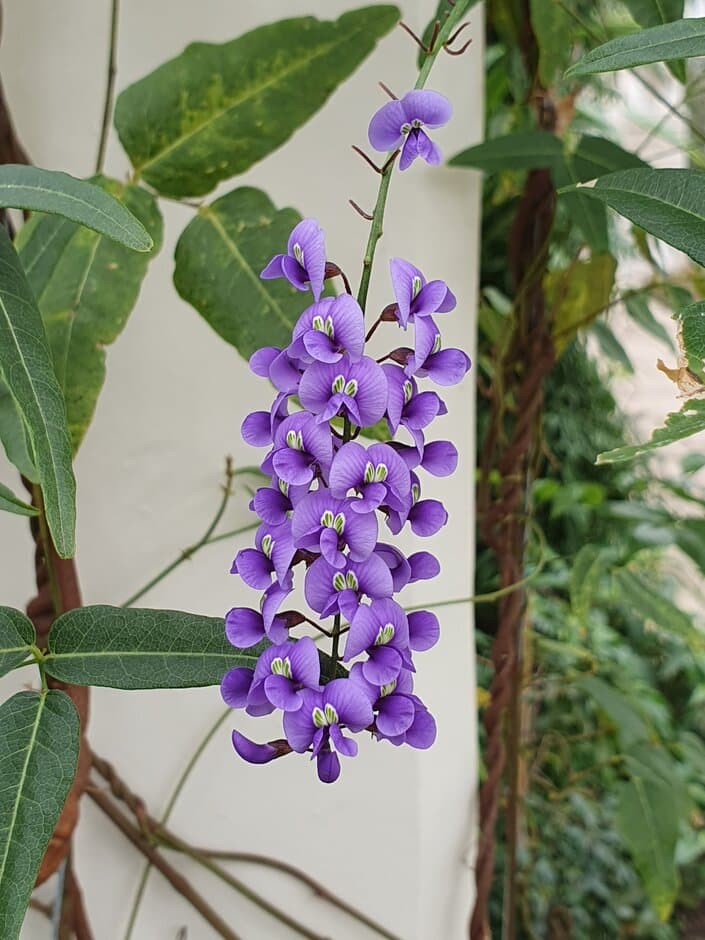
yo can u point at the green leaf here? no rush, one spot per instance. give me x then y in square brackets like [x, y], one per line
[628, 723]
[578, 294]
[692, 319]
[141, 648]
[86, 286]
[683, 39]
[135, 648]
[28, 187]
[13, 435]
[669, 204]
[585, 574]
[679, 424]
[554, 29]
[16, 638]
[647, 819]
[654, 12]
[656, 609]
[11, 503]
[523, 150]
[530, 150]
[533, 150]
[26, 367]
[39, 736]
[215, 110]
[690, 538]
[219, 257]
[610, 345]
[638, 309]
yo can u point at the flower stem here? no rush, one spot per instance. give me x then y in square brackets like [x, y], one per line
[109, 86]
[453, 17]
[205, 539]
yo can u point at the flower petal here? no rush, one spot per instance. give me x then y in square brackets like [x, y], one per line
[244, 627]
[395, 715]
[345, 746]
[328, 766]
[440, 458]
[384, 132]
[430, 107]
[235, 686]
[424, 630]
[281, 694]
[403, 274]
[255, 753]
[351, 704]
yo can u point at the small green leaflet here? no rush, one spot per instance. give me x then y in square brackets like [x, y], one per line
[86, 286]
[11, 503]
[16, 638]
[39, 735]
[28, 187]
[621, 711]
[683, 39]
[27, 370]
[648, 821]
[679, 424]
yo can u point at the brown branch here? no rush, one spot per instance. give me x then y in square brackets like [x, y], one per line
[507, 449]
[174, 877]
[153, 830]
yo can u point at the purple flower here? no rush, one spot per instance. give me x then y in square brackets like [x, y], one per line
[426, 516]
[382, 631]
[328, 329]
[439, 458]
[244, 627]
[424, 630]
[358, 388]
[330, 590]
[260, 427]
[377, 473]
[415, 296]
[282, 671]
[398, 565]
[424, 566]
[272, 599]
[402, 121]
[319, 724]
[259, 753]
[444, 366]
[305, 259]
[322, 523]
[392, 702]
[274, 503]
[282, 369]
[406, 406]
[301, 445]
[272, 555]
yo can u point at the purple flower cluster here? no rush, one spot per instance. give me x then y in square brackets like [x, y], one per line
[329, 492]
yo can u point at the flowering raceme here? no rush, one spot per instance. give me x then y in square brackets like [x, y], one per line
[330, 493]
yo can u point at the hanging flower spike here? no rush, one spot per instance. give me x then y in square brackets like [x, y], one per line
[400, 124]
[304, 263]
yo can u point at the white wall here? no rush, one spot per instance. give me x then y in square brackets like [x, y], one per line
[393, 835]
